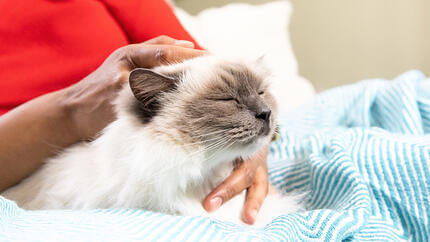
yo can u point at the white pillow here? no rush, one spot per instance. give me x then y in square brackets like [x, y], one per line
[250, 31]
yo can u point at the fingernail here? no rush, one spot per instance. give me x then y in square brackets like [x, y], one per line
[215, 203]
[185, 43]
[251, 216]
[253, 213]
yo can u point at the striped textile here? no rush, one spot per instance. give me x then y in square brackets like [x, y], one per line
[360, 152]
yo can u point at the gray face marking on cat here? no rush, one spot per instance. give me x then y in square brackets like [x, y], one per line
[214, 103]
[234, 104]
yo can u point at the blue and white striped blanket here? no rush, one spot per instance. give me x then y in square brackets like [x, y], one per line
[361, 152]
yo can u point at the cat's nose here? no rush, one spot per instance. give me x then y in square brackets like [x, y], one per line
[264, 115]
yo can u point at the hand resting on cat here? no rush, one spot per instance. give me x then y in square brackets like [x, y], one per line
[177, 131]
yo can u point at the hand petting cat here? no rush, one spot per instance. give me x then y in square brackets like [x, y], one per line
[89, 102]
[40, 128]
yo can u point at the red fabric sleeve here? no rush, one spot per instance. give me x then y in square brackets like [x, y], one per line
[49, 45]
[146, 19]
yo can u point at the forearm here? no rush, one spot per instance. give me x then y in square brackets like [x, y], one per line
[31, 133]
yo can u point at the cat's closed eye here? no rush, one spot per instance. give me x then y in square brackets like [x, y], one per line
[260, 92]
[227, 99]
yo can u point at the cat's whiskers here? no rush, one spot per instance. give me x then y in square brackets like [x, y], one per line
[210, 133]
[223, 141]
[221, 150]
[189, 157]
[201, 141]
[210, 147]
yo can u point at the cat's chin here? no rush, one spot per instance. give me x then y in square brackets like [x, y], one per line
[239, 150]
[249, 149]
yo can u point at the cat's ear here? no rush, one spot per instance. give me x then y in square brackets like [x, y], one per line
[261, 59]
[260, 65]
[147, 86]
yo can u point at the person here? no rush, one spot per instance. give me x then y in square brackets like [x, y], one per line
[63, 63]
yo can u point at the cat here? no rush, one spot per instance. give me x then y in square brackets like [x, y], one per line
[179, 128]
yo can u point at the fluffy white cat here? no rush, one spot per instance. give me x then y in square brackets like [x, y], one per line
[178, 130]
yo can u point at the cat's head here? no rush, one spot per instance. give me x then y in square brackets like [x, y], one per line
[207, 102]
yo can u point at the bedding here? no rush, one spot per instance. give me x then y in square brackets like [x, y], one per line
[360, 153]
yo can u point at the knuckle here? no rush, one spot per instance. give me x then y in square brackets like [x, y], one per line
[249, 175]
[238, 163]
[229, 192]
[163, 38]
[123, 53]
[120, 52]
[127, 49]
[162, 55]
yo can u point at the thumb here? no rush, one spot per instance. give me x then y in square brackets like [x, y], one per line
[166, 40]
[149, 56]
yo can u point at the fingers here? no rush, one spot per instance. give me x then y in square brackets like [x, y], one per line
[251, 175]
[240, 179]
[149, 56]
[162, 50]
[259, 188]
[166, 40]
[255, 196]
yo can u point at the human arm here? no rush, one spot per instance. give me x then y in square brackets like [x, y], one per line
[44, 126]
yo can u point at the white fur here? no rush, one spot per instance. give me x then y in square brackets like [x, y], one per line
[135, 166]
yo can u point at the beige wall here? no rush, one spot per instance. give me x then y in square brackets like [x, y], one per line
[342, 41]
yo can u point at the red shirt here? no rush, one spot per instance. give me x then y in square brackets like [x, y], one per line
[48, 45]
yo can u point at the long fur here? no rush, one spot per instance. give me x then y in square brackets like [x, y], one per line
[167, 162]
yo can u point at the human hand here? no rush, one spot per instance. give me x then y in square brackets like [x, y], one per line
[251, 175]
[89, 102]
